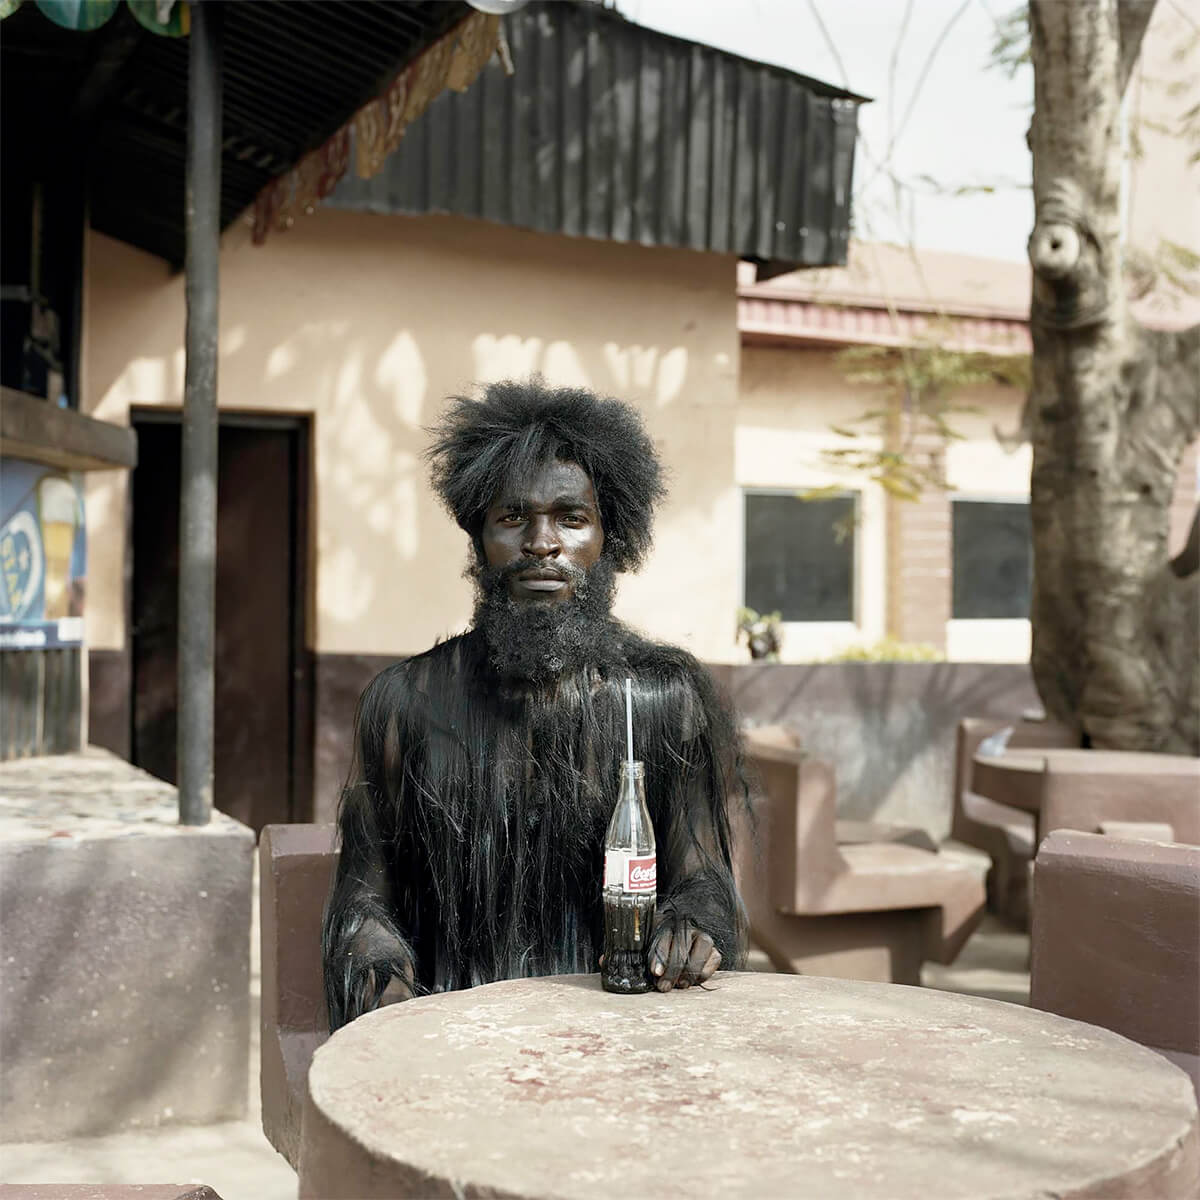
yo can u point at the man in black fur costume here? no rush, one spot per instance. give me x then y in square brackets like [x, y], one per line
[485, 770]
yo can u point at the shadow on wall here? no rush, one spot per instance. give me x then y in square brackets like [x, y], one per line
[887, 728]
[368, 323]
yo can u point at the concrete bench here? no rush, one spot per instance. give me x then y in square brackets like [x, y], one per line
[865, 910]
[295, 869]
[1005, 834]
[1116, 939]
[125, 971]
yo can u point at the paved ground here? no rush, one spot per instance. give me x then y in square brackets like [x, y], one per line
[237, 1161]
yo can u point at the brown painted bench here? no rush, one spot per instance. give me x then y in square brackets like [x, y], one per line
[1116, 939]
[1004, 833]
[866, 910]
[295, 868]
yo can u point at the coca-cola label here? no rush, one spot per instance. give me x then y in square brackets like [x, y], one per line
[630, 872]
[641, 874]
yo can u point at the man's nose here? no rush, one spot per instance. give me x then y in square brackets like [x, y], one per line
[540, 538]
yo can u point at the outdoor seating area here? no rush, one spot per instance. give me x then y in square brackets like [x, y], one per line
[873, 906]
[599, 597]
[1113, 920]
[1001, 831]
[1099, 851]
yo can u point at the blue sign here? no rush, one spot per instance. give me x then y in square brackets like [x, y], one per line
[43, 557]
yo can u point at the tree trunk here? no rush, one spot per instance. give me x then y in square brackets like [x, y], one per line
[1116, 630]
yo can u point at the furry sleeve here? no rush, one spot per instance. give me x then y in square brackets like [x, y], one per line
[364, 953]
[700, 779]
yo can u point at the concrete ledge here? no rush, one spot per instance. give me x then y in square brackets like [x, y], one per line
[124, 978]
[33, 428]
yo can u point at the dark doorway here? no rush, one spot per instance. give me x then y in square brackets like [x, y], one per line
[262, 729]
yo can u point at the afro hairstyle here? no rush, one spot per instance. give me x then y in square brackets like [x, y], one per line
[502, 439]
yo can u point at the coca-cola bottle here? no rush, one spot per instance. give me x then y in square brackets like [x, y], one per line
[630, 887]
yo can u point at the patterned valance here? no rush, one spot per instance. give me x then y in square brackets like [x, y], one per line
[378, 127]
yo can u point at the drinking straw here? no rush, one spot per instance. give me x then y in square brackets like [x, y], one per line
[629, 717]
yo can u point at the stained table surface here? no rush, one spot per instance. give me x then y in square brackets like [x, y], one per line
[759, 1085]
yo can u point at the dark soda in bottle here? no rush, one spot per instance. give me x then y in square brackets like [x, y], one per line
[630, 887]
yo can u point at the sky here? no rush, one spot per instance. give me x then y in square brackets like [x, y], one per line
[937, 111]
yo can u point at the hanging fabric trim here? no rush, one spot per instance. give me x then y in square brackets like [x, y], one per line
[454, 61]
[379, 127]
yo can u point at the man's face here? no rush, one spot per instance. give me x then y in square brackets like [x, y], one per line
[553, 528]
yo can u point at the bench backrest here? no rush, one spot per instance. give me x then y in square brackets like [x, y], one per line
[296, 865]
[971, 733]
[796, 810]
[1086, 792]
[1116, 938]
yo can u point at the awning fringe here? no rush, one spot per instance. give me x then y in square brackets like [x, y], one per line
[453, 61]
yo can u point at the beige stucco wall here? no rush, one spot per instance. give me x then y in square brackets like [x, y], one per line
[1162, 182]
[790, 398]
[367, 323]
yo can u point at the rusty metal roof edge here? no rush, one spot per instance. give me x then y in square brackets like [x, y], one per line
[754, 291]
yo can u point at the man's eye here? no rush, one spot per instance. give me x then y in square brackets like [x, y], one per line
[575, 520]
[512, 518]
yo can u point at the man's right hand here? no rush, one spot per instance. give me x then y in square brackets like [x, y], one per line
[681, 954]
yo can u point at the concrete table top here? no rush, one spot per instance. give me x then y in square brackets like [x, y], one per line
[1013, 778]
[758, 1086]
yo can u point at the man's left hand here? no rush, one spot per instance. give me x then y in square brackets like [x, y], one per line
[681, 954]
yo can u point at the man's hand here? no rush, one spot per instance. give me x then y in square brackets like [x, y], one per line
[681, 954]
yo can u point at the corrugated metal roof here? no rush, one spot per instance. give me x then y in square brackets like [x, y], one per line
[293, 74]
[610, 130]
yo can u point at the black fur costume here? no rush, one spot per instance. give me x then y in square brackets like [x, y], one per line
[473, 821]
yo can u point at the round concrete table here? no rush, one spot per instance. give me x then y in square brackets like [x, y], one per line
[760, 1086]
[1013, 778]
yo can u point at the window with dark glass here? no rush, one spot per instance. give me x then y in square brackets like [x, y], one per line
[993, 559]
[800, 556]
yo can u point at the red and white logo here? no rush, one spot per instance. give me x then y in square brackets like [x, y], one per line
[641, 874]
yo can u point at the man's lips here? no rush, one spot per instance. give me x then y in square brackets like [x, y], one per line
[542, 585]
[540, 581]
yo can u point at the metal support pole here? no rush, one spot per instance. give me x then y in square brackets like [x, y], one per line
[198, 491]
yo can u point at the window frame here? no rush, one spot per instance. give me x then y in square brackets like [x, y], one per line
[988, 498]
[794, 492]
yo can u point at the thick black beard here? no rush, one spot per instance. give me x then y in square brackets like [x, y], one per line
[531, 641]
